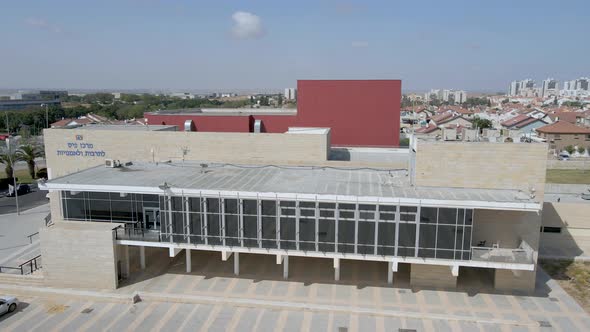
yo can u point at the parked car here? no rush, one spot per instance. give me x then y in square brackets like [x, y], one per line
[8, 304]
[564, 157]
[21, 189]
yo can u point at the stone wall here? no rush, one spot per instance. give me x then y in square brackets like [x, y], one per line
[78, 254]
[482, 165]
[422, 275]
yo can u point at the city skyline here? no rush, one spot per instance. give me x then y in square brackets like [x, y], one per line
[179, 45]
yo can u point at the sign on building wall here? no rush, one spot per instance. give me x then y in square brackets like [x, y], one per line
[80, 148]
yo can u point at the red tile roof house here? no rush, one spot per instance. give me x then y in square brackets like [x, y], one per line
[523, 122]
[449, 118]
[562, 133]
[429, 130]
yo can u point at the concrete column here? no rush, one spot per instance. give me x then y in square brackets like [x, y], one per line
[337, 269]
[237, 263]
[390, 272]
[126, 261]
[142, 257]
[285, 267]
[189, 264]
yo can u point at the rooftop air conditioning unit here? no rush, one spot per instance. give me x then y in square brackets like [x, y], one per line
[111, 163]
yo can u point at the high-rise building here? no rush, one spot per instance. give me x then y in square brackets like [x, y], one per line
[581, 83]
[549, 87]
[290, 93]
[460, 96]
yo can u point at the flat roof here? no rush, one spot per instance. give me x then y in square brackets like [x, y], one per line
[323, 183]
[227, 111]
[135, 127]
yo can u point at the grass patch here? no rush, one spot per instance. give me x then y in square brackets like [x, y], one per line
[22, 175]
[571, 176]
[573, 277]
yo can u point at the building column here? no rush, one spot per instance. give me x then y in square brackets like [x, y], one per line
[126, 268]
[189, 266]
[142, 257]
[391, 267]
[237, 263]
[285, 267]
[337, 269]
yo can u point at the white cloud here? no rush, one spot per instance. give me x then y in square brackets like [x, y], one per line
[360, 44]
[42, 24]
[246, 26]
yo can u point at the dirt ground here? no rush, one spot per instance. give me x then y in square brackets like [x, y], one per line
[573, 277]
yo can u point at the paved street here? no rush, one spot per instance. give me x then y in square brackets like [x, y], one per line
[15, 246]
[27, 201]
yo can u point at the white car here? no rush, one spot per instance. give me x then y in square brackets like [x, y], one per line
[8, 304]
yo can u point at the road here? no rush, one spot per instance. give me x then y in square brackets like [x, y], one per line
[28, 201]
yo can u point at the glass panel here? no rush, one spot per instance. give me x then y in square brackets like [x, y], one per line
[446, 237]
[447, 216]
[427, 240]
[269, 232]
[444, 254]
[122, 211]
[326, 235]
[468, 217]
[213, 228]
[346, 236]
[213, 205]
[194, 204]
[467, 238]
[366, 238]
[178, 227]
[386, 240]
[100, 210]
[428, 216]
[75, 209]
[269, 208]
[407, 239]
[231, 206]
[196, 228]
[98, 195]
[288, 233]
[250, 207]
[177, 204]
[407, 214]
[459, 238]
[306, 234]
[232, 230]
[250, 231]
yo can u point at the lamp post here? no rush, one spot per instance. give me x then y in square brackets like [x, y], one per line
[46, 114]
[9, 153]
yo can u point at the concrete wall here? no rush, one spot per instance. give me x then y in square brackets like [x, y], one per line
[574, 220]
[482, 165]
[569, 164]
[507, 228]
[432, 276]
[164, 145]
[77, 254]
[506, 280]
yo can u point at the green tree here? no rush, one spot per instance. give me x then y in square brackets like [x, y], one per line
[581, 149]
[570, 149]
[480, 123]
[28, 153]
[8, 158]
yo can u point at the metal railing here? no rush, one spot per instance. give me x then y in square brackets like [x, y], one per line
[27, 267]
[502, 255]
[31, 237]
[137, 234]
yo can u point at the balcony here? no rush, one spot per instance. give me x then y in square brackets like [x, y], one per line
[521, 255]
[137, 234]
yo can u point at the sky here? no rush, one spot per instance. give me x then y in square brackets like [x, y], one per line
[473, 45]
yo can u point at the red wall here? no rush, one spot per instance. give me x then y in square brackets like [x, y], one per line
[359, 112]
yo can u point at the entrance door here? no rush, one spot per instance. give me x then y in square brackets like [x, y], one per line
[151, 218]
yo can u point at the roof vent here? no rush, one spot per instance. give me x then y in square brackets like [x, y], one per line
[111, 163]
[189, 125]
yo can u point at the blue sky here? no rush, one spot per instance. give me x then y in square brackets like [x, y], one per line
[181, 44]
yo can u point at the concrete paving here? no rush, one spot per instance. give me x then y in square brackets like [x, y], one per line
[15, 245]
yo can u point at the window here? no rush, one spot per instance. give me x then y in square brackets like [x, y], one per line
[548, 229]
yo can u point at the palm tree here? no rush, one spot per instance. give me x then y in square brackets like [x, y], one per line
[28, 153]
[7, 158]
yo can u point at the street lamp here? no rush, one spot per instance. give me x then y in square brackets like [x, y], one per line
[9, 153]
[46, 114]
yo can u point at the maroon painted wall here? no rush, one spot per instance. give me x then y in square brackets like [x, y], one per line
[359, 112]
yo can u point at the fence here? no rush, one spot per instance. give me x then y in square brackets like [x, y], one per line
[27, 267]
[568, 164]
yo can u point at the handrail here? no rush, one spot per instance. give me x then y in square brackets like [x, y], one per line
[11, 268]
[32, 263]
[31, 237]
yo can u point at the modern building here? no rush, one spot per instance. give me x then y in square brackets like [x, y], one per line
[449, 214]
[20, 104]
[358, 112]
[550, 87]
[562, 133]
[290, 94]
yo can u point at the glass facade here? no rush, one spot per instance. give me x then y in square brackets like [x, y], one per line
[308, 226]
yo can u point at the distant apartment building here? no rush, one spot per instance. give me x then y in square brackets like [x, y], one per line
[550, 87]
[20, 104]
[446, 95]
[290, 94]
[525, 88]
